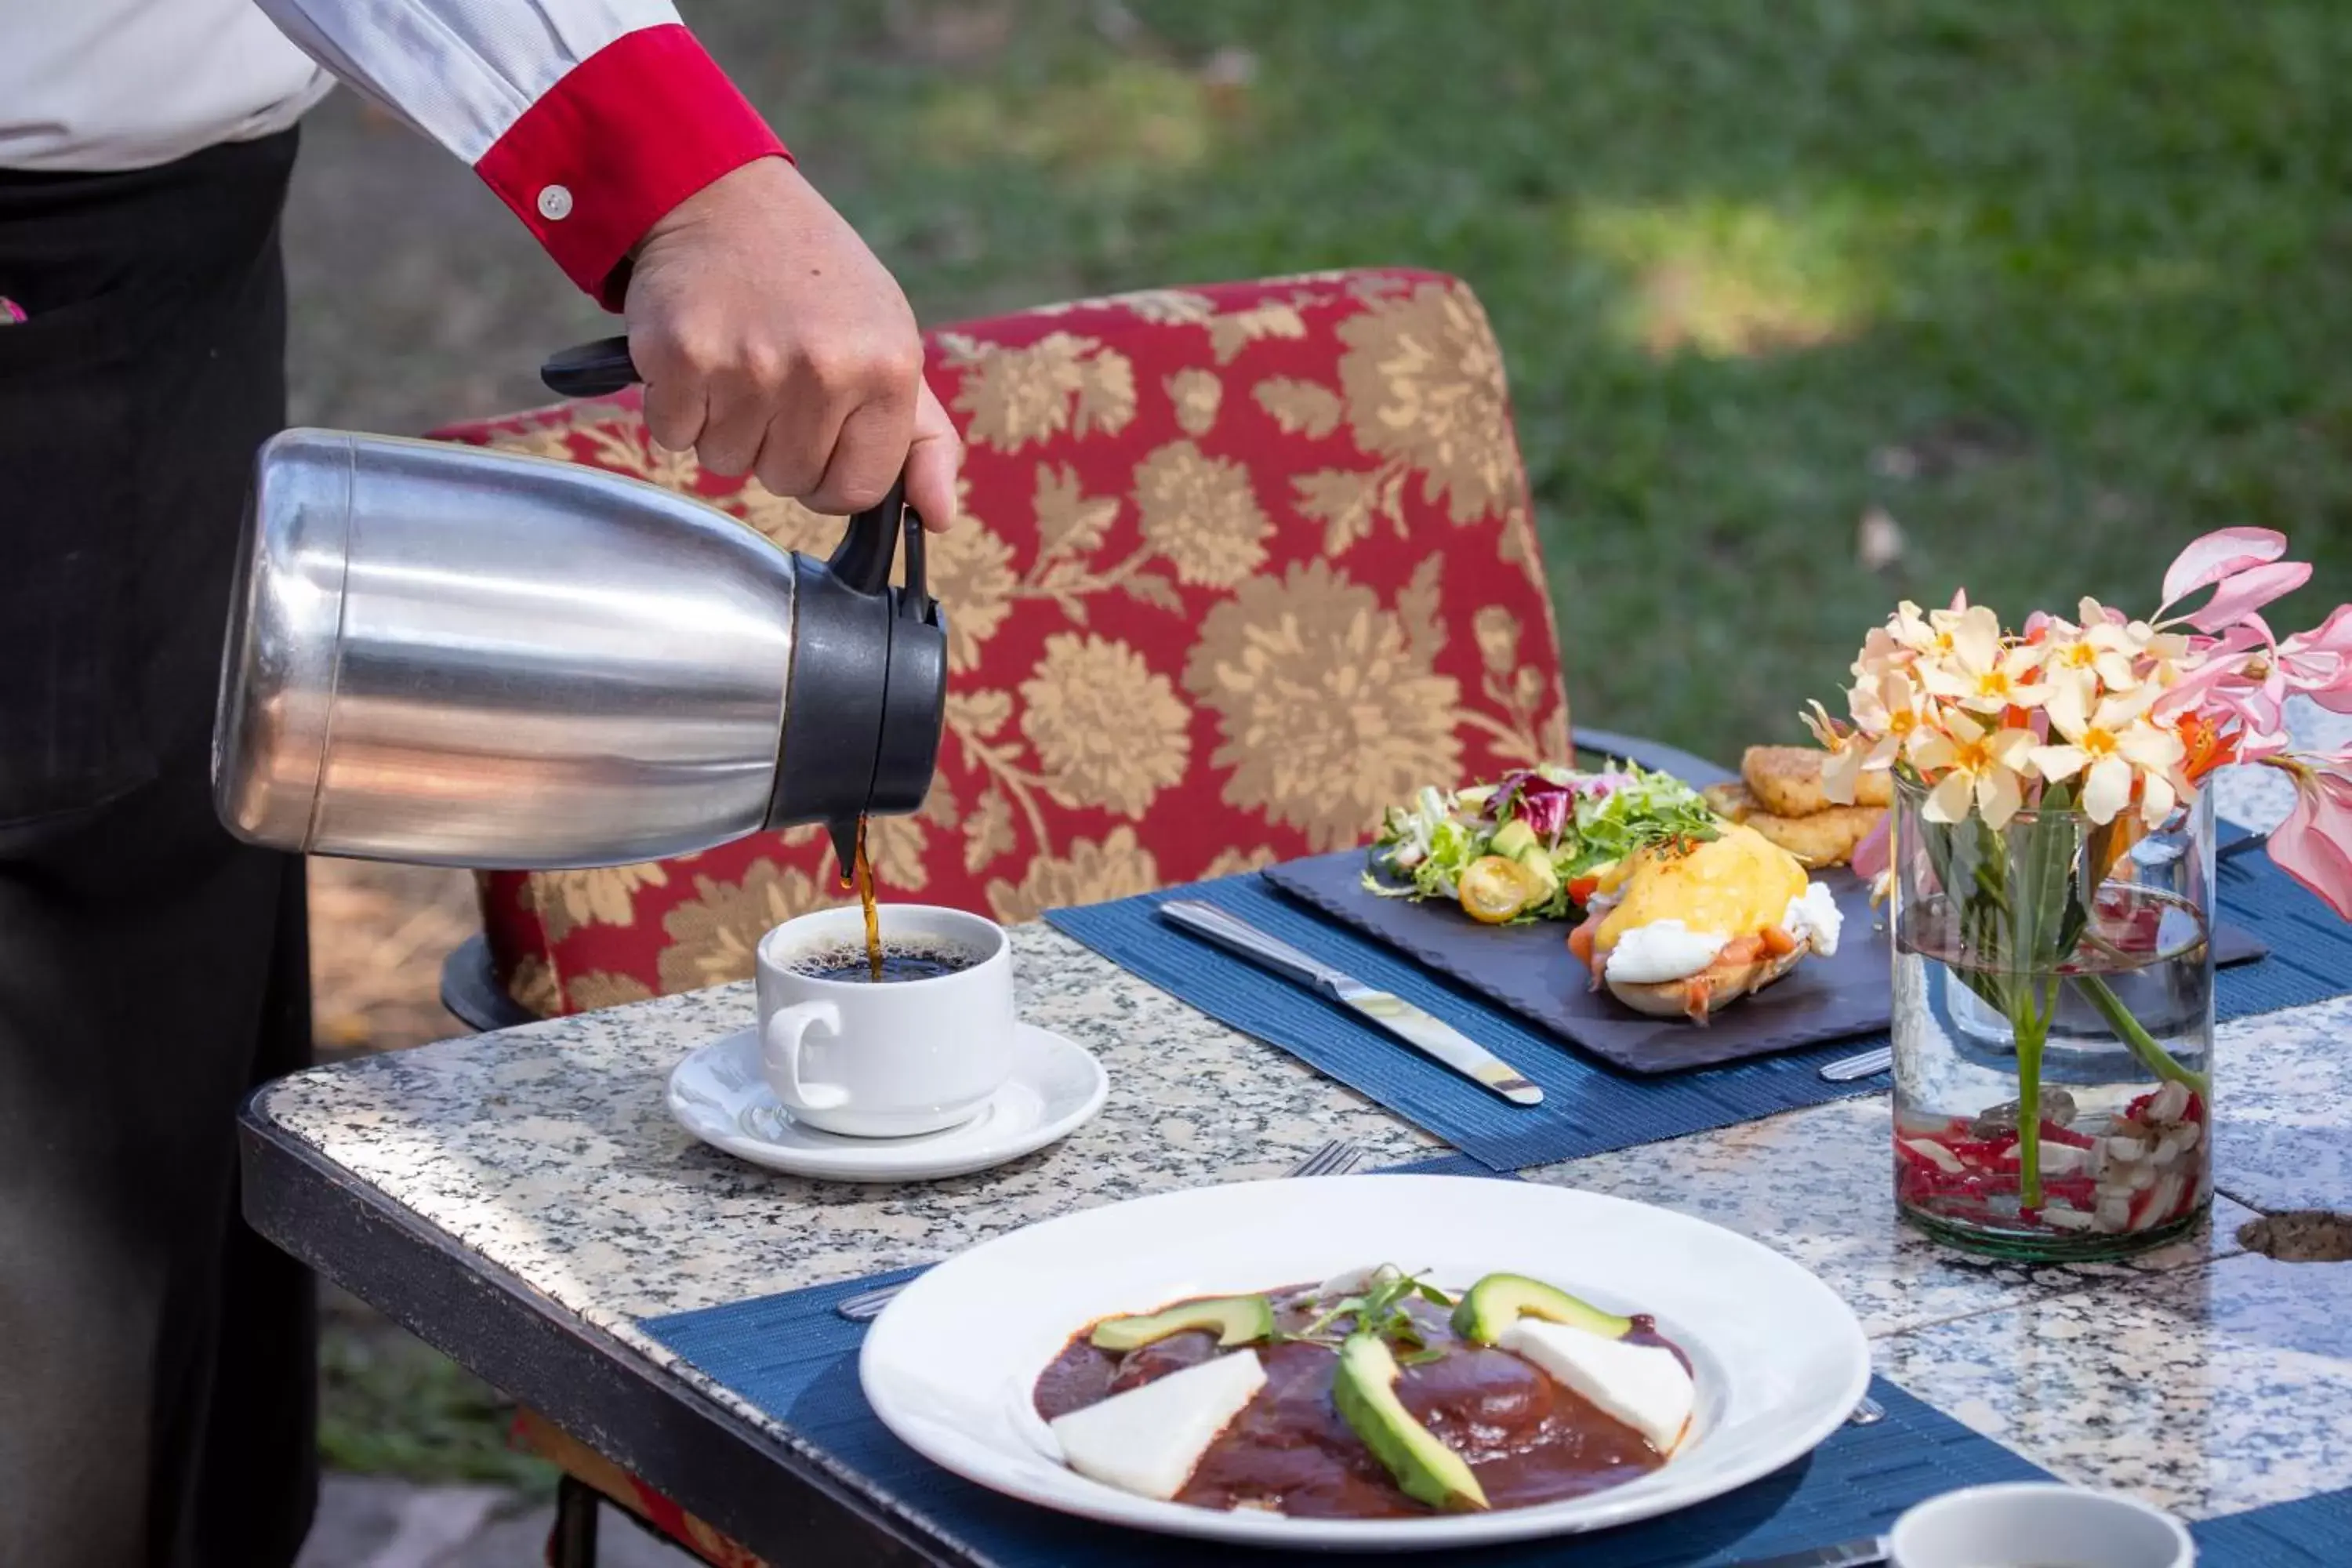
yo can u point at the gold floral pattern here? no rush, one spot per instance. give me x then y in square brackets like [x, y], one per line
[1230, 332]
[1498, 632]
[1069, 522]
[553, 440]
[1109, 730]
[1328, 703]
[1234, 862]
[617, 440]
[1018, 395]
[714, 934]
[602, 895]
[1346, 502]
[787, 523]
[1196, 394]
[1161, 307]
[1201, 513]
[1118, 868]
[531, 984]
[969, 569]
[602, 988]
[1299, 407]
[1423, 381]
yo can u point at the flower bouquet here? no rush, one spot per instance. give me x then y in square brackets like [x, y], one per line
[2049, 855]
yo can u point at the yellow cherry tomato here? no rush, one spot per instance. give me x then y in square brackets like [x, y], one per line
[1495, 889]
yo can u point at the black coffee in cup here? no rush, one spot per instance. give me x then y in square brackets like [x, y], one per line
[901, 960]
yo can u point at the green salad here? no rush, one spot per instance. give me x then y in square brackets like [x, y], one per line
[1530, 845]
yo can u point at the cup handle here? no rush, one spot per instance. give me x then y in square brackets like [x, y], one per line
[780, 1052]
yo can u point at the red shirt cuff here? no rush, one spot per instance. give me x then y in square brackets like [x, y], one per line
[627, 135]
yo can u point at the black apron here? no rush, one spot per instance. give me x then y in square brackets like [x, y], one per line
[157, 1368]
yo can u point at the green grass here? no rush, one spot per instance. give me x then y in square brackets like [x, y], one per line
[390, 1405]
[2058, 285]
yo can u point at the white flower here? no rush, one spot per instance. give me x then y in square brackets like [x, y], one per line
[2102, 647]
[2111, 745]
[1983, 672]
[1973, 766]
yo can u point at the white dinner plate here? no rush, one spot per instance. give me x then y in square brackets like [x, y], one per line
[719, 1094]
[950, 1365]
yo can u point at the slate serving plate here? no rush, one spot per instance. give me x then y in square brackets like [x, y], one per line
[1528, 969]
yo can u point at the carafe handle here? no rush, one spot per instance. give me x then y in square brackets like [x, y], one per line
[862, 559]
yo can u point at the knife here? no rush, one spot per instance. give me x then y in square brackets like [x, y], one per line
[1865, 1554]
[1433, 1038]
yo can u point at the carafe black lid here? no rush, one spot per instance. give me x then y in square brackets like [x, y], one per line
[867, 694]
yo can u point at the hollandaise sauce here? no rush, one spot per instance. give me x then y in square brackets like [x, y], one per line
[1732, 885]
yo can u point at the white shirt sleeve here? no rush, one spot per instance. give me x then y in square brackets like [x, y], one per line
[461, 71]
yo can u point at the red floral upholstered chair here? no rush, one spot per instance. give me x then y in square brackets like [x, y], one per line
[1240, 567]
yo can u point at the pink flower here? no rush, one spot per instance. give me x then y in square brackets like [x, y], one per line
[2242, 565]
[1871, 857]
[2318, 663]
[2237, 661]
[2313, 845]
[2221, 553]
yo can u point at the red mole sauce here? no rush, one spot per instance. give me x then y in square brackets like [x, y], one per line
[1527, 1438]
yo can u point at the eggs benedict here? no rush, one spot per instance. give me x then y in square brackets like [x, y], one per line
[1689, 926]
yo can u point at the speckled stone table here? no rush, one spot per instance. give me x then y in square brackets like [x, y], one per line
[522, 1199]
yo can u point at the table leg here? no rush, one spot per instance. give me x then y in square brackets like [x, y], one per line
[573, 1544]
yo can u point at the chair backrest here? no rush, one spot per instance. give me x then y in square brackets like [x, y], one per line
[1240, 567]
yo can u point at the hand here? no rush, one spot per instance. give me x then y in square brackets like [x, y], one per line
[772, 343]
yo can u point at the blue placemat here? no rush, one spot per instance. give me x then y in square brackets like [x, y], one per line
[795, 1358]
[1589, 1107]
[2309, 1533]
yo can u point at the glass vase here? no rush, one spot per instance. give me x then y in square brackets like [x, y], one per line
[2063, 964]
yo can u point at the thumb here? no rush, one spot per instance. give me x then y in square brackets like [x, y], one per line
[932, 464]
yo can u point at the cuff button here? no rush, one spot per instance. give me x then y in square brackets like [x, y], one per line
[554, 203]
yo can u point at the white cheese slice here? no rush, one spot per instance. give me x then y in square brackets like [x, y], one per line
[1662, 951]
[1815, 916]
[1642, 1386]
[1149, 1440]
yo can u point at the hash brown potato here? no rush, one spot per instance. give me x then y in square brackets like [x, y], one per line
[1818, 838]
[1787, 780]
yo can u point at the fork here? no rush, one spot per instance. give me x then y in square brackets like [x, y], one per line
[1335, 1158]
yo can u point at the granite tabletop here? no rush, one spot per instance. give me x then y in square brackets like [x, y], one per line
[2208, 1378]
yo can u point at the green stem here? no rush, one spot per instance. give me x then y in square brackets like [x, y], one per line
[2145, 1046]
[2030, 1027]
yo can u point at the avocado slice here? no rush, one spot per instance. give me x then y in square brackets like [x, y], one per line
[1491, 1306]
[1234, 1319]
[1537, 861]
[1365, 1392]
[1512, 840]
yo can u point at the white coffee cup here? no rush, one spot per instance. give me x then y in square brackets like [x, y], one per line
[2038, 1524]
[895, 1059]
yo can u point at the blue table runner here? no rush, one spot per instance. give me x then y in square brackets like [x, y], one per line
[1589, 1107]
[794, 1357]
[2309, 1533]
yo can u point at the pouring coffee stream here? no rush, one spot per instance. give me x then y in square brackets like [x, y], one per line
[456, 656]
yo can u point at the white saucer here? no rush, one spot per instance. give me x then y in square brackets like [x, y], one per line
[718, 1094]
